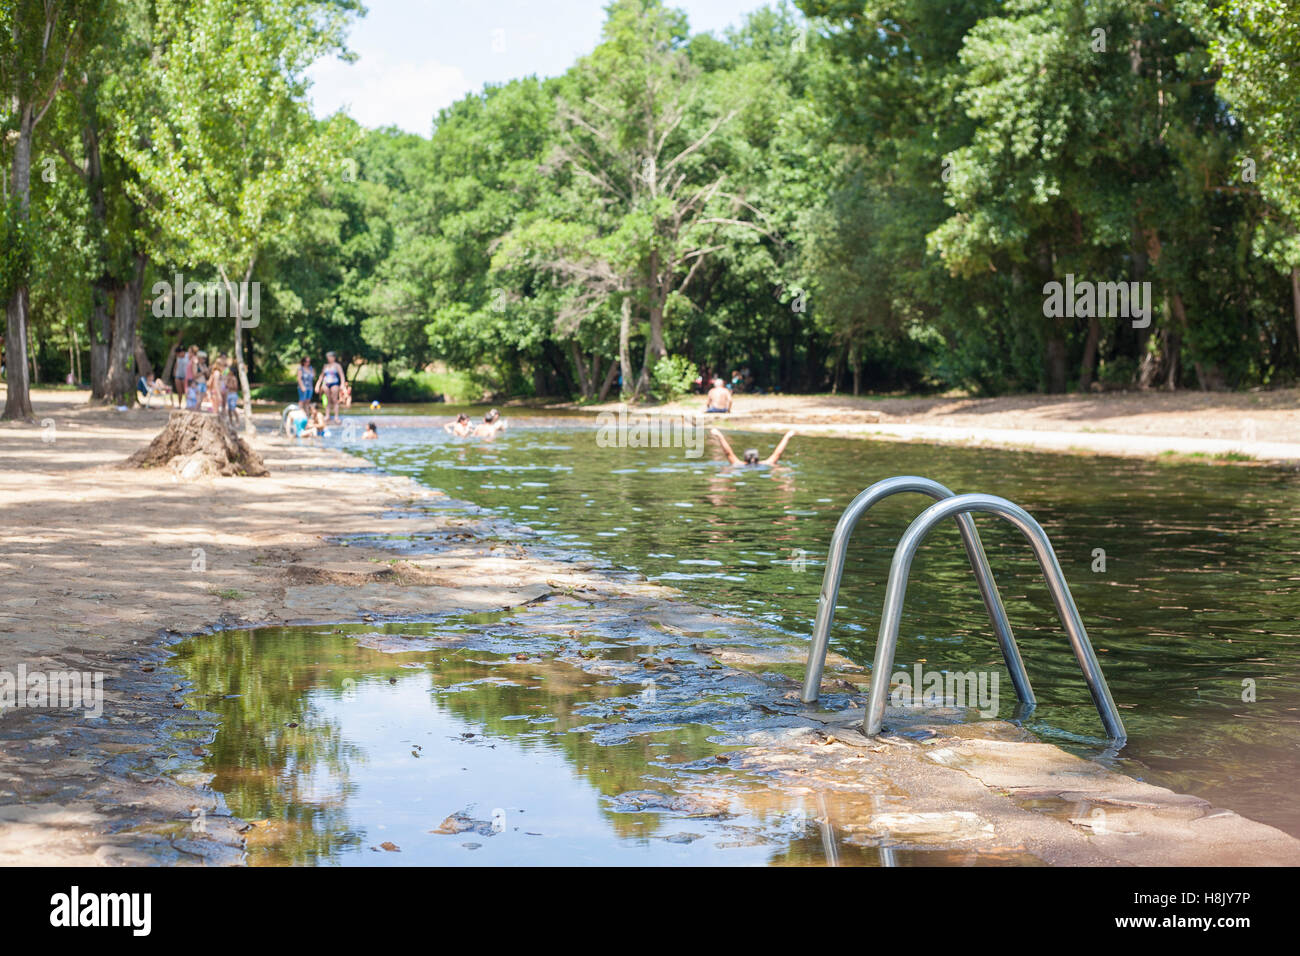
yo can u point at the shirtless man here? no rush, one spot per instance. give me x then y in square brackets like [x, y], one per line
[719, 398]
[751, 454]
[491, 424]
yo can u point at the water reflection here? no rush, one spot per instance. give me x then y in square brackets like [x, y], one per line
[343, 754]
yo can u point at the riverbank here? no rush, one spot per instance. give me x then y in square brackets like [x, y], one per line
[106, 567]
[1226, 426]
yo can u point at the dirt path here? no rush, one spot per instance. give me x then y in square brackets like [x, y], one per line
[1258, 425]
[102, 567]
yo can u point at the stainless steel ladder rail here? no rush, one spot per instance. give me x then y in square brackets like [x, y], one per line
[839, 547]
[963, 506]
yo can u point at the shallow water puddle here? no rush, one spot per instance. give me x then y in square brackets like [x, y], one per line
[482, 746]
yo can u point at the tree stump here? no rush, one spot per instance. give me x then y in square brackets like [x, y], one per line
[195, 444]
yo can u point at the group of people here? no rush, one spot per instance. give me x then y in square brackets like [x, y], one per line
[198, 386]
[310, 422]
[462, 427]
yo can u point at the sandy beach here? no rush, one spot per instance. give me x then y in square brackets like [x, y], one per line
[1256, 425]
[105, 566]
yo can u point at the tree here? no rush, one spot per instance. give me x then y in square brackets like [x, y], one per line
[1258, 50]
[231, 156]
[636, 152]
[42, 38]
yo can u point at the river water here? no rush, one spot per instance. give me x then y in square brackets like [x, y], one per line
[1185, 576]
[1195, 617]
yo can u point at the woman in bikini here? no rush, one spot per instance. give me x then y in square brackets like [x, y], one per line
[331, 383]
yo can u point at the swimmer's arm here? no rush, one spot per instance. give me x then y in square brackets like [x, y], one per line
[449, 427]
[773, 458]
[731, 455]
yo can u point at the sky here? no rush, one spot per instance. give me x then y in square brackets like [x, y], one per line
[417, 56]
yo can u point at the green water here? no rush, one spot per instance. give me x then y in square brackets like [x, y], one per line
[1197, 604]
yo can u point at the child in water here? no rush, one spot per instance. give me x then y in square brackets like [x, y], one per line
[460, 427]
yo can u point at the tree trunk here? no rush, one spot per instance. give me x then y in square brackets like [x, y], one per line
[608, 383]
[1295, 301]
[101, 322]
[1176, 343]
[18, 399]
[142, 364]
[120, 383]
[1089, 368]
[655, 349]
[245, 389]
[101, 337]
[624, 335]
[1056, 360]
[583, 381]
[171, 358]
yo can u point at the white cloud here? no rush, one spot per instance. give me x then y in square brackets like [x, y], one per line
[376, 91]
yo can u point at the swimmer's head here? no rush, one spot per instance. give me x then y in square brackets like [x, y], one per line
[462, 419]
[751, 456]
[491, 416]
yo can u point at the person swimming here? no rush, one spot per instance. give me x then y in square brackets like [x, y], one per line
[751, 454]
[460, 427]
[491, 424]
[371, 431]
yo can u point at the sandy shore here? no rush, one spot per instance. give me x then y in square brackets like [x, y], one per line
[1263, 426]
[105, 566]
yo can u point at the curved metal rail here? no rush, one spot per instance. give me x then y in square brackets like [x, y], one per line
[979, 562]
[963, 506]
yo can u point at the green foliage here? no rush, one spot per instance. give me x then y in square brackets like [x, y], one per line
[871, 194]
[673, 377]
[15, 247]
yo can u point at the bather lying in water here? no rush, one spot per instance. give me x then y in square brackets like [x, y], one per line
[751, 454]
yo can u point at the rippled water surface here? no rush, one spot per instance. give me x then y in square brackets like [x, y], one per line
[1194, 616]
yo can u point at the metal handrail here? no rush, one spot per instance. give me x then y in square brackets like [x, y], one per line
[858, 507]
[963, 505]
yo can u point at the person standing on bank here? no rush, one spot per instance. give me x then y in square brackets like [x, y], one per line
[306, 382]
[331, 384]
